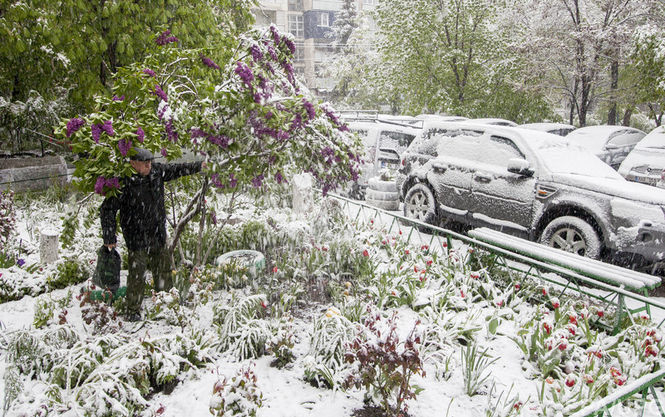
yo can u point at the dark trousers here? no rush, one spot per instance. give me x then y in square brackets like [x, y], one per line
[157, 261]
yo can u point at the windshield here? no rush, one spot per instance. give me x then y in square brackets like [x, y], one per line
[654, 140]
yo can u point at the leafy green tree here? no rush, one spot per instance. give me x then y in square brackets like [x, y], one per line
[447, 56]
[249, 115]
[79, 45]
[648, 63]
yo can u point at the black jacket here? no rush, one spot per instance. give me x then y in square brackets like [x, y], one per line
[141, 205]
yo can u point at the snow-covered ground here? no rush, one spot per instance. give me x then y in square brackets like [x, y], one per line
[455, 306]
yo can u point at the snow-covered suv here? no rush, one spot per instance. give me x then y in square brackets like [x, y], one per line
[531, 184]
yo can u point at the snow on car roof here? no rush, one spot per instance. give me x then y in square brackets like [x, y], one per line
[595, 137]
[546, 126]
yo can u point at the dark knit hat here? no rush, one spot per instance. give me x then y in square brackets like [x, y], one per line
[142, 155]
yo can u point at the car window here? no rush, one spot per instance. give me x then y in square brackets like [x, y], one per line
[395, 140]
[442, 141]
[500, 151]
[625, 137]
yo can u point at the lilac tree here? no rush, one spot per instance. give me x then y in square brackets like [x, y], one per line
[249, 116]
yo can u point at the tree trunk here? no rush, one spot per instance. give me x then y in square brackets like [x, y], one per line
[614, 86]
[626, 116]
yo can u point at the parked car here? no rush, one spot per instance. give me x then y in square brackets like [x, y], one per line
[531, 184]
[561, 129]
[610, 143]
[646, 162]
[494, 121]
[384, 142]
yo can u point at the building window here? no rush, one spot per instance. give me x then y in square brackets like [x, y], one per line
[295, 5]
[299, 55]
[324, 20]
[297, 25]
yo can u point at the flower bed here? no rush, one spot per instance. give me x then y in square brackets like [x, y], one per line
[346, 316]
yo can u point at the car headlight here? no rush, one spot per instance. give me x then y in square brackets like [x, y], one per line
[637, 212]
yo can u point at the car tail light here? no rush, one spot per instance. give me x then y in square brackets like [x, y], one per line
[662, 175]
[403, 163]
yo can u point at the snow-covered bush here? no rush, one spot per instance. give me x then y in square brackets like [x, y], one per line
[69, 271]
[240, 397]
[7, 217]
[166, 306]
[243, 333]
[383, 364]
[325, 363]
[282, 342]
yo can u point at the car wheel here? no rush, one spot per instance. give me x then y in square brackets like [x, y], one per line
[573, 235]
[420, 204]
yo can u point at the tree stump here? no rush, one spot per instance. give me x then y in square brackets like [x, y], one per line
[48, 246]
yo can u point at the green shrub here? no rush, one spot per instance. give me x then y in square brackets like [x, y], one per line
[69, 272]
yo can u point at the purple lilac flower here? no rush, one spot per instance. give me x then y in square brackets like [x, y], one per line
[96, 130]
[311, 112]
[245, 73]
[269, 115]
[149, 72]
[257, 55]
[283, 135]
[165, 38]
[257, 181]
[171, 134]
[108, 128]
[220, 140]
[272, 53]
[162, 111]
[216, 182]
[232, 181]
[160, 93]
[279, 178]
[289, 44]
[140, 134]
[99, 185]
[73, 125]
[164, 152]
[257, 98]
[116, 98]
[195, 132]
[275, 34]
[209, 62]
[124, 145]
[113, 182]
[20, 262]
[297, 123]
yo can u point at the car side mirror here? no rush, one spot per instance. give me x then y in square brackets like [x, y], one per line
[520, 167]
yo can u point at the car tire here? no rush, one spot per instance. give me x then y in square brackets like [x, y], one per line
[420, 204]
[573, 235]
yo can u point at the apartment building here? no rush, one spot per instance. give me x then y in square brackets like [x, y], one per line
[310, 21]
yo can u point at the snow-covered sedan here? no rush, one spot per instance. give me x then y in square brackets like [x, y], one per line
[609, 143]
[646, 162]
[531, 184]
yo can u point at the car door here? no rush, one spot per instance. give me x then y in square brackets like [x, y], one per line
[501, 199]
[451, 171]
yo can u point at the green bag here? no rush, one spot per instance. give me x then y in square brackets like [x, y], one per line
[107, 272]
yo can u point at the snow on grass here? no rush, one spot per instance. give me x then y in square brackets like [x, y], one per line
[318, 272]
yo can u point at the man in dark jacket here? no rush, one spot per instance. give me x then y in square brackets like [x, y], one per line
[143, 223]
